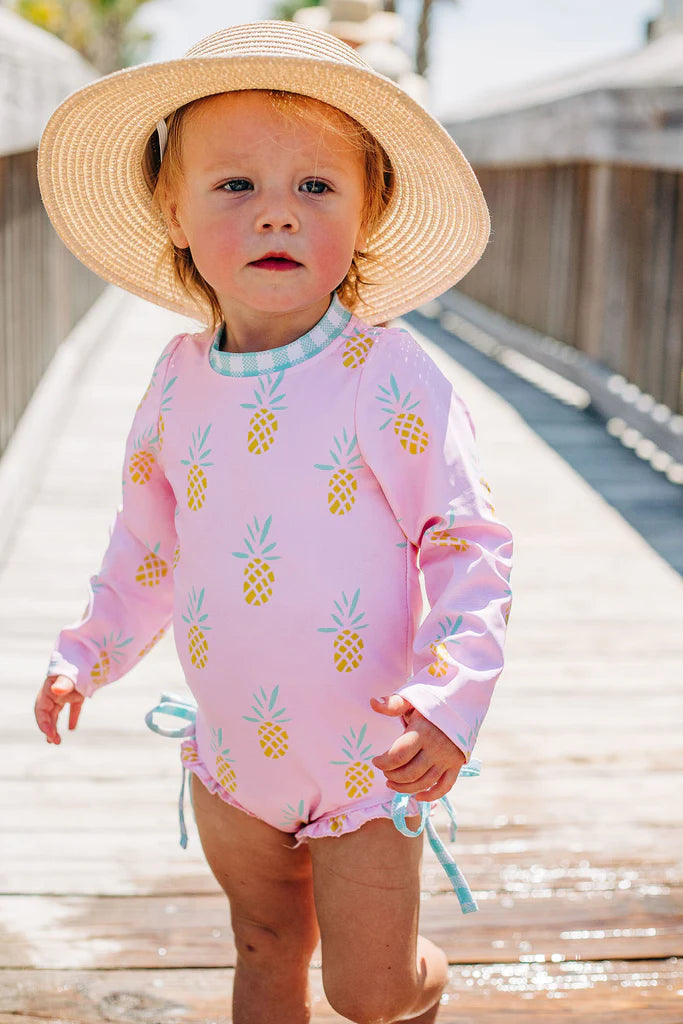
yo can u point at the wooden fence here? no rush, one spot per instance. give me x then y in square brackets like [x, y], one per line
[591, 254]
[44, 290]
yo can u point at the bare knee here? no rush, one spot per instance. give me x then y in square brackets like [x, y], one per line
[261, 946]
[387, 999]
[367, 1006]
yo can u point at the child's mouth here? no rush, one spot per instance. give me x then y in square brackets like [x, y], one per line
[276, 261]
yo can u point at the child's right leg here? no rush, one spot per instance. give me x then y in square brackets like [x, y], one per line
[269, 886]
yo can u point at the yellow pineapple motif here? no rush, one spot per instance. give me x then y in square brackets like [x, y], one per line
[508, 607]
[141, 462]
[152, 570]
[342, 485]
[155, 640]
[337, 823]
[293, 817]
[356, 349]
[263, 424]
[348, 643]
[258, 574]
[197, 644]
[444, 539]
[272, 737]
[196, 477]
[176, 556]
[446, 634]
[359, 775]
[408, 426]
[110, 653]
[225, 773]
[166, 404]
[188, 755]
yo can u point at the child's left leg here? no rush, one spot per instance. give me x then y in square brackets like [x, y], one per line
[376, 968]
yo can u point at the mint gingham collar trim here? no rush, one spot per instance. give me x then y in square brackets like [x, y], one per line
[251, 364]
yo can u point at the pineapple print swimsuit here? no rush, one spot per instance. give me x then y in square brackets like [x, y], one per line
[276, 506]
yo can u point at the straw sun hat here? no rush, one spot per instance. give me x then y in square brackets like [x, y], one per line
[91, 153]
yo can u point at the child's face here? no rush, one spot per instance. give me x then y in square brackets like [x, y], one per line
[270, 205]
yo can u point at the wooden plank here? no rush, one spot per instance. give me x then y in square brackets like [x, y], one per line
[673, 342]
[193, 931]
[564, 225]
[652, 369]
[606, 992]
[505, 855]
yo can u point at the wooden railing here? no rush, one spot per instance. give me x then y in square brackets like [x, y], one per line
[592, 255]
[584, 178]
[44, 290]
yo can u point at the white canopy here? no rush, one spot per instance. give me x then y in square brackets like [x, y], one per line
[37, 71]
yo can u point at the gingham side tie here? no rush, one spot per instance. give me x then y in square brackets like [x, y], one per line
[185, 708]
[399, 808]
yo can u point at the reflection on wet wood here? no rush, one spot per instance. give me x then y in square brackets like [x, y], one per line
[193, 931]
[602, 992]
[521, 861]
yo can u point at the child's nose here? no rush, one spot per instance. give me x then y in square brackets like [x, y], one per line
[277, 214]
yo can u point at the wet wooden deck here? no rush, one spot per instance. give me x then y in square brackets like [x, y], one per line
[571, 838]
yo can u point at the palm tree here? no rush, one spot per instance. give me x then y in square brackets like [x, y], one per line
[100, 30]
[286, 9]
[421, 51]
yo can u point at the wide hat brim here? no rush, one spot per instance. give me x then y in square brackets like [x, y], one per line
[91, 155]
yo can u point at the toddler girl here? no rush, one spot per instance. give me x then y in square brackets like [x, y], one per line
[287, 471]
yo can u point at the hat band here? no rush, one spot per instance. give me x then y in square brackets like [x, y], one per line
[162, 132]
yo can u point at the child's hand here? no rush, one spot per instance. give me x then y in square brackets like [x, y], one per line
[423, 761]
[54, 694]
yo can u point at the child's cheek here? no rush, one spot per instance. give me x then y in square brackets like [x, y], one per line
[333, 252]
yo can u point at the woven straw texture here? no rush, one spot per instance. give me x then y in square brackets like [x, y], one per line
[91, 180]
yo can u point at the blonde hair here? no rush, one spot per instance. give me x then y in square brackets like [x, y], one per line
[163, 176]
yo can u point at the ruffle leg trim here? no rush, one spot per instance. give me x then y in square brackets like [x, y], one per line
[349, 819]
[189, 755]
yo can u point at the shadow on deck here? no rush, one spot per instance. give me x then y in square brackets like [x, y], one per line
[647, 500]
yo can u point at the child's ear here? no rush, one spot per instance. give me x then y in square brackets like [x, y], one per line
[169, 208]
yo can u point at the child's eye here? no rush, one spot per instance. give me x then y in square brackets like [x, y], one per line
[237, 185]
[315, 187]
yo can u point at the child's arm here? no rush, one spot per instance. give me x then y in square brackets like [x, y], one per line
[131, 597]
[417, 437]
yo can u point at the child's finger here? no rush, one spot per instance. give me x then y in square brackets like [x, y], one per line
[443, 786]
[393, 705]
[414, 771]
[401, 751]
[419, 786]
[74, 715]
[62, 687]
[46, 718]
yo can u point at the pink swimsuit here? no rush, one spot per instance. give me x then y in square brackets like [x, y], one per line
[275, 507]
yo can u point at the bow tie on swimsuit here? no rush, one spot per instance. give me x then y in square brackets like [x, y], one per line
[184, 708]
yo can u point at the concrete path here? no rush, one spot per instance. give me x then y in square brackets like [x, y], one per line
[571, 839]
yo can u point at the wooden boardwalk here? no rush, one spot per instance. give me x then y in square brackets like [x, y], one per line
[571, 838]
